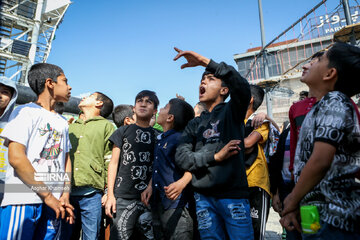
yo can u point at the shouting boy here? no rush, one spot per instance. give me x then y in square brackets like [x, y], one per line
[211, 148]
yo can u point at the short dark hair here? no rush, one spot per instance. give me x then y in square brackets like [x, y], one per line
[258, 95]
[223, 84]
[107, 106]
[121, 112]
[201, 106]
[147, 93]
[39, 73]
[304, 93]
[345, 58]
[182, 111]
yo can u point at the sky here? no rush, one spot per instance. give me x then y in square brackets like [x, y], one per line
[120, 47]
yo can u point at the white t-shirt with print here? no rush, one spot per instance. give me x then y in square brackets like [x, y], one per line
[46, 137]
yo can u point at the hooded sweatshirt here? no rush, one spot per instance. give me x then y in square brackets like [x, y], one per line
[208, 134]
[3, 121]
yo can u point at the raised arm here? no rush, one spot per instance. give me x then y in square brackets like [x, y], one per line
[238, 86]
[193, 59]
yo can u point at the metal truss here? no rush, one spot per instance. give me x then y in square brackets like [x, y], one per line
[27, 30]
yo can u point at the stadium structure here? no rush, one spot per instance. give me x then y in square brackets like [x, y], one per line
[27, 32]
[290, 50]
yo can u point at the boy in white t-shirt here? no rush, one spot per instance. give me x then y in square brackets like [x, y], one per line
[37, 181]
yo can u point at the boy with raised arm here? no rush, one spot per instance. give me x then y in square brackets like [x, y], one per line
[211, 148]
[38, 142]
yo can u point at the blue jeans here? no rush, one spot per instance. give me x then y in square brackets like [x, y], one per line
[329, 232]
[87, 217]
[223, 218]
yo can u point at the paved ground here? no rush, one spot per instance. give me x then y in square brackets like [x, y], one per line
[273, 227]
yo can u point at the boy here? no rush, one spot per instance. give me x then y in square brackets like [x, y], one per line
[123, 114]
[8, 96]
[327, 155]
[130, 171]
[199, 108]
[256, 166]
[170, 198]
[211, 148]
[90, 155]
[38, 143]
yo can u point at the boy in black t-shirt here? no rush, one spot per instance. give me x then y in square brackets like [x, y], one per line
[130, 171]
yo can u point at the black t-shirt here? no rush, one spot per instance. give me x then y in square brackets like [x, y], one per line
[136, 157]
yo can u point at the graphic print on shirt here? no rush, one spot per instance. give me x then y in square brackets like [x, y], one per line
[51, 151]
[332, 121]
[144, 137]
[213, 132]
[139, 172]
[118, 180]
[128, 157]
[144, 156]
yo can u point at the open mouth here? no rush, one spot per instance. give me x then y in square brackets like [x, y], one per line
[202, 90]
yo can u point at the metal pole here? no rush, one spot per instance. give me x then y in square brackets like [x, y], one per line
[34, 37]
[265, 63]
[348, 19]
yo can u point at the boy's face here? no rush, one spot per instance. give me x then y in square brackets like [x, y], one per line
[144, 108]
[315, 70]
[163, 115]
[210, 88]
[89, 101]
[5, 96]
[62, 90]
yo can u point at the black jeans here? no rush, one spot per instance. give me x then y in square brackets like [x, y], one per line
[131, 216]
[172, 224]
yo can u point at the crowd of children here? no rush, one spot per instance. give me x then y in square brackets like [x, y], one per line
[202, 173]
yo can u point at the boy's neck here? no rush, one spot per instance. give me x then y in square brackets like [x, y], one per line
[249, 112]
[90, 113]
[46, 101]
[2, 110]
[142, 123]
[211, 105]
[166, 127]
[319, 93]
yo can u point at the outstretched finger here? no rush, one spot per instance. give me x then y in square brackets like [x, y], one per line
[177, 49]
[185, 65]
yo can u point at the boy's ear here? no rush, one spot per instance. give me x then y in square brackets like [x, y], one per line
[251, 100]
[127, 121]
[49, 83]
[170, 118]
[99, 103]
[224, 91]
[331, 73]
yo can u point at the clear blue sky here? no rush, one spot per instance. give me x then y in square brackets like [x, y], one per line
[123, 47]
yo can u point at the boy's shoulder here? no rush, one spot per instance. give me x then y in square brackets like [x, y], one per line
[335, 102]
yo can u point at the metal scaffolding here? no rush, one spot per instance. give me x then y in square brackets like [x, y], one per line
[27, 30]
